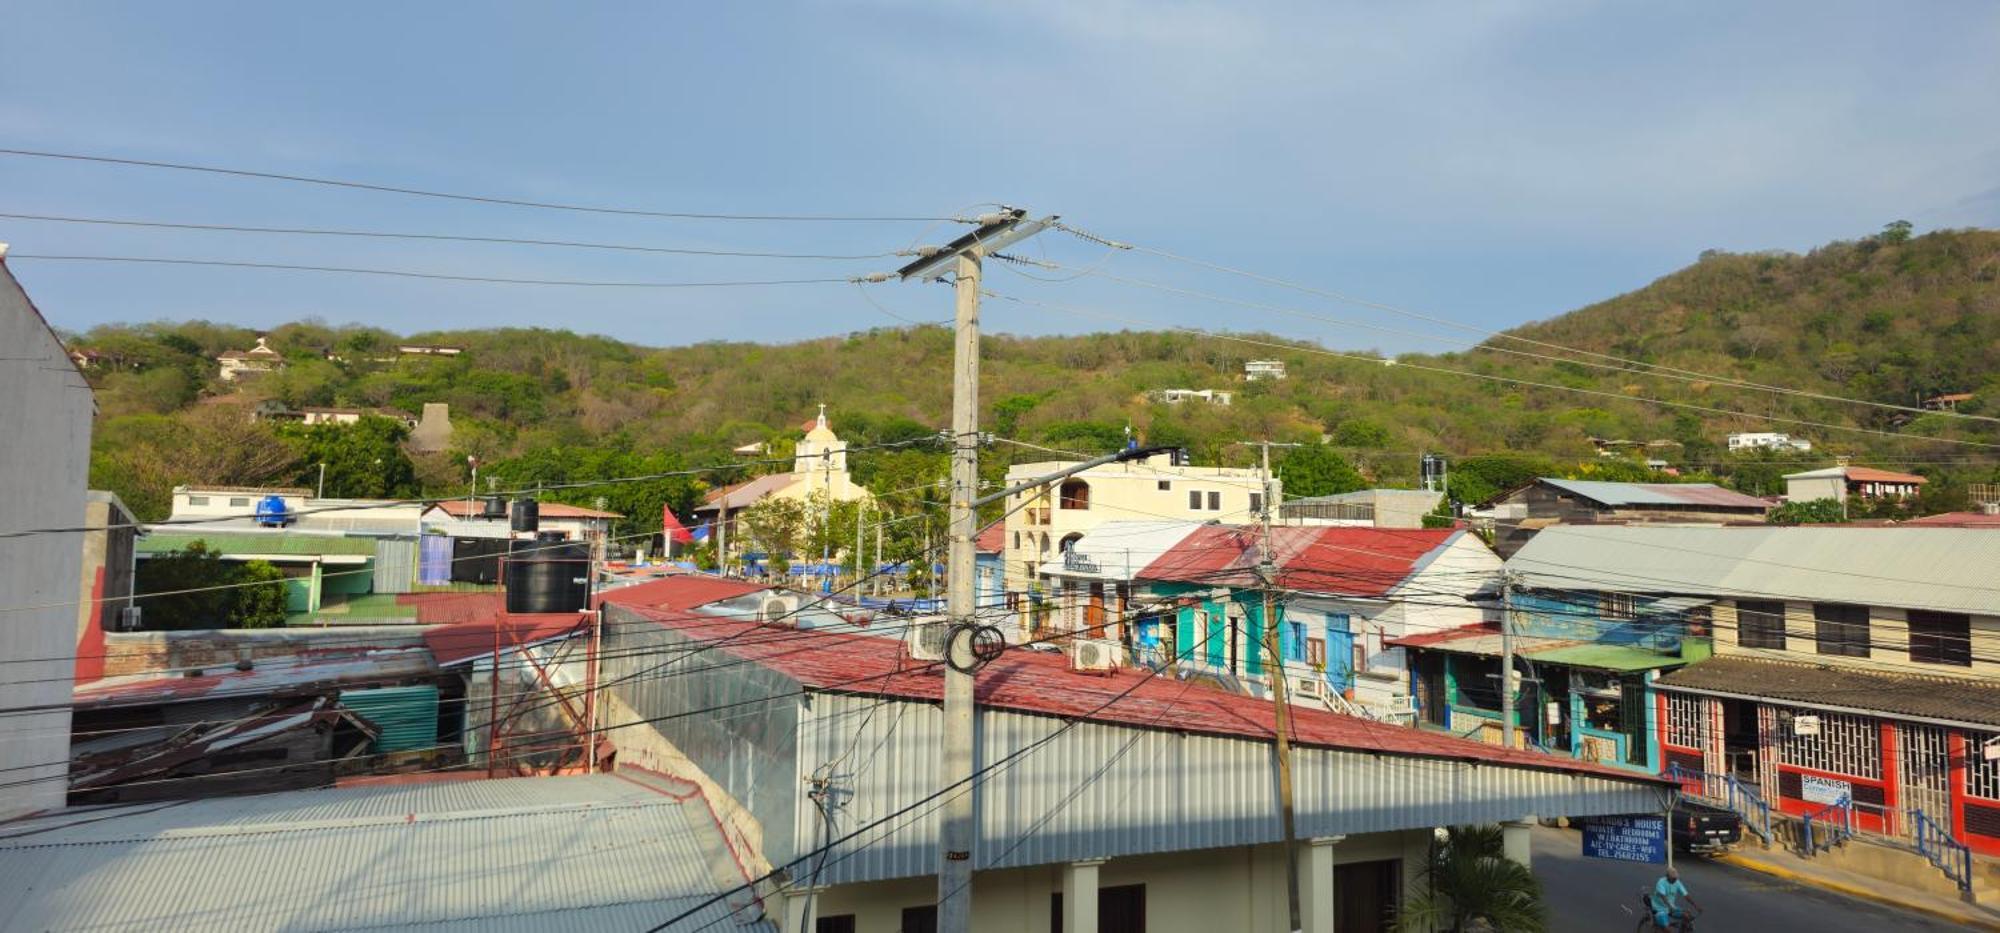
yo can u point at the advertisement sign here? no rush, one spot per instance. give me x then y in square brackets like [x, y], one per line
[1626, 838]
[1805, 725]
[1815, 789]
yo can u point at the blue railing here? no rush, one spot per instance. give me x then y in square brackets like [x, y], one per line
[1738, 796]
[1950, 856]
[1836, 825]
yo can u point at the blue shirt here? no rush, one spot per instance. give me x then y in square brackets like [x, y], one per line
[1668, 893]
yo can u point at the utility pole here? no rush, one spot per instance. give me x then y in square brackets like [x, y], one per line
[956, 828]
[1267, 572]
[1506, 661]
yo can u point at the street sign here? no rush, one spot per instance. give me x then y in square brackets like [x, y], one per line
[1626, 838]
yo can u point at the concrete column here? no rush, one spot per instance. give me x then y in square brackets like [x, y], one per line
[801, 910]
[1316, 892]
[1516, 841]
[1079, 910]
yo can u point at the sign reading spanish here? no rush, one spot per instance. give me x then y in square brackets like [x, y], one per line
[1626, 838]
[1816, 789]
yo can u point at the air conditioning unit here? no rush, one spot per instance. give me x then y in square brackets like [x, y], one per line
[926, 641]
[128, 619]
[1094, 654]
[1308, 687]
[778, 609]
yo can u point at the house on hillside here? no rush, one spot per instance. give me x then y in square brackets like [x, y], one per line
[819, 469]
[239, 364]
[1948, 401]
[1842, 483]
[1255, 370]
[1211, 396]
[1521, 512]
[1768, 440]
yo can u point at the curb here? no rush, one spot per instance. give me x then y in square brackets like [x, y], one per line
[1855, 891]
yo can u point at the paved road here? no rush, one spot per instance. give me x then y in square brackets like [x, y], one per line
[1588, 895]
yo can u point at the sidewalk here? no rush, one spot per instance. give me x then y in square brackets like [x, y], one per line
[1783, 864]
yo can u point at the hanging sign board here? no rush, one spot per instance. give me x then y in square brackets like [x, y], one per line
[1805, 725]
[1626, 838]
[1816, 789]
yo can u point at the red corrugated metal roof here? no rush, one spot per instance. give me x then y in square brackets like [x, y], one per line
[992, 539]
[1959, 520]
[1043, 683]
[453, 644]
[1427, 639]
[1872, 475]
[680, 591]
[1352, 561]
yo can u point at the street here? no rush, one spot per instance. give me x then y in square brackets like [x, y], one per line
[1588, 895]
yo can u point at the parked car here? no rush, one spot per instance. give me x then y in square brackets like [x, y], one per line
[1704, 829]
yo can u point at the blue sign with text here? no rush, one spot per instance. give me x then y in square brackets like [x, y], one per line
[1626, 838]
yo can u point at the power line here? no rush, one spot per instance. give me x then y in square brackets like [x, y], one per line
[1421, 367]
[456, 238]
[481, 199]
[411, 274]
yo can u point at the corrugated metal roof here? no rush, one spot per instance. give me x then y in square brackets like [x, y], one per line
[1947, 569]
[680, 591]
[307, 672]
[251, 542]
[1670, 494]
[587, 851]
[407, 717]
[1346, 561]
[1939, 699]
[1099, 790]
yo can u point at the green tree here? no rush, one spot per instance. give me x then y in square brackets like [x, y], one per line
[260, 596]
[1896, 231]
[1318, 470]
[776, 527]
[364, 460]
[1361, 432]
[1468, 877]
[1476, 479]
[1813, 512]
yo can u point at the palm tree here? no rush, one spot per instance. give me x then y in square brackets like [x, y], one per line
[1469, 880]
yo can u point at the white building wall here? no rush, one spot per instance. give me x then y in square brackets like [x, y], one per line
[45, 415]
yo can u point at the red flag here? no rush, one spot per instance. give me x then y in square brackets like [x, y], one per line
[675, 531]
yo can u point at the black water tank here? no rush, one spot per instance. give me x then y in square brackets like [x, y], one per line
[546, 577]
[527, 515]
[495, 508]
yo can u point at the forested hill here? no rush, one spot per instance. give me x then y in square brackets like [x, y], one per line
[1889, 319]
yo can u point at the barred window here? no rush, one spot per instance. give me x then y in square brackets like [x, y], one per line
[1618, 606]
[1841, 629]
[1845, 744]
[1685, 726]
[1982, 776]
[1760, 624]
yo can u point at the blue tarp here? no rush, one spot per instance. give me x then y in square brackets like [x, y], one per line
[434, 561]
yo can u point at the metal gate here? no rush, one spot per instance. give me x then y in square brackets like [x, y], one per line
[1923, 775]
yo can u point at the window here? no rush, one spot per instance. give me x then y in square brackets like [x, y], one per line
[1017, 540]
[1844, 745]
[1166, 485]
[1685, 726]
[919, 919]
[1841, 629]
[239, 502]
[841, 924]
[1316, 652]
[1982, 774]
[1760, 624]
[1194, 498]
[1618, 606]
[1215, 502]
[1941, 638]
[1120, 909]
[197, 500]
[1075, 494]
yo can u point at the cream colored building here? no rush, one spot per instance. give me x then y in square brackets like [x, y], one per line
[258, 359]
[819, 473]
[1047, 520]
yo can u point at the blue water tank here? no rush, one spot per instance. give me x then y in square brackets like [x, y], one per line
[271, 512]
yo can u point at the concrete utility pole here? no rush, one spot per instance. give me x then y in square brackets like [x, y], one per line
[1507, 725]
[1267, 571]
[955, 828]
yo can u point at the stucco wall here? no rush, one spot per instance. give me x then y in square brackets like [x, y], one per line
[45, 414]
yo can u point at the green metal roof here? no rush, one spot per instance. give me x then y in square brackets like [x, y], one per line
[407, 716]
[160, 542]
[1607, 657]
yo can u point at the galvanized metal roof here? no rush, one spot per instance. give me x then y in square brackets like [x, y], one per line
[1936, 699]
[1946, 569]
[609, 851]
[257, 542]
[1670, 494]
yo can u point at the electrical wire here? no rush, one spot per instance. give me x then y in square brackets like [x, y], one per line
[481, 199]
[411, 274]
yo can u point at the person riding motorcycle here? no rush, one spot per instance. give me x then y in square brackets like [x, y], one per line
[1665, 897]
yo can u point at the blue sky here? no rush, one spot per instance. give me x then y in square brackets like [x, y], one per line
[1491, 163]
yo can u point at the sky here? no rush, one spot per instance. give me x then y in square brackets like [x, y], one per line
[1487, 164]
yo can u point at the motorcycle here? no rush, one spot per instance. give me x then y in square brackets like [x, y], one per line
[1681, 922]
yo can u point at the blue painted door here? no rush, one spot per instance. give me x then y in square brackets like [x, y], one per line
[1339, 653]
